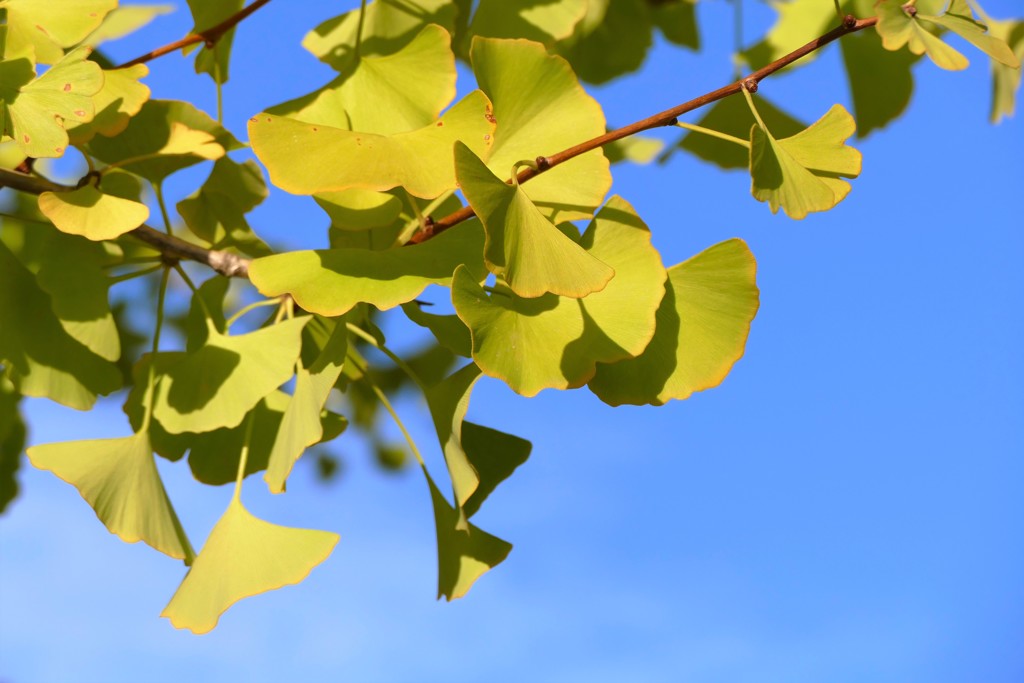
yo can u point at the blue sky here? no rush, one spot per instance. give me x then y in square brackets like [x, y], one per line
[845, 507]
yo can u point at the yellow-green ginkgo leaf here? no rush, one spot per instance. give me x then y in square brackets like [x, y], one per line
[221, 382]
[521, 245]
[98, 212]
[385, 28]
[494, 455]
[213, 59]
[118, 478]
[331, 281]
[301, 425]
[702, 327]
[388, 94]
[866, 60]
[803, 173]
[120, 98]
[216, 212]
[1005, 80]
[555, 342]
[38, 353]
[541, 108]
[899, 24]
[123, 20]
[545, 22]
[959, 19]
[164, 137]
[38, 110]
[244, 556]
[359, 209]
[448, 401]
[50, 25]
[798, 20]
[449, 331]
[71, 272]
[463, 554]
[303, 158]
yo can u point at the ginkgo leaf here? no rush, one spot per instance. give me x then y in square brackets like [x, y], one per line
[678, 22]
[610, 41]
[866, 61]
[521, 245]
[118, 478]
[387, 27]
[545, 22]
[38, 354]
[218, 384]
[899, 25]
[1005, 80]
[541, 108]
[244, 556]
[216, 212]
[388, 94]
[164, 137]
[732, 116]
[448, 401]
[959, 19]
[301, 425]
[449, 331]
[336, 159]
[555, 342]
[701, 331]
[12, 442]
[120, 98]
[463, 554]
[213, 60]
[331, 281]
[48, 26]
[214, 456]
[494, 456]
[359, 209]
[71, 272]
[797, 20]
[124, 20]
[637, 149]
[37, 110]
[803, 173]
[94, 212]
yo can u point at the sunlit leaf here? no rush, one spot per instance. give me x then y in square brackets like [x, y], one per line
[38, 109]
[214, 60]
[71, 272]
[389, 25]
[463, 555]
[332, 281]
[1006, 81]
[49, 25]
[95, 212]
[701, 331]
[959, 19]
[333, 159]
[898, 27]
[546, 22]
[555, 342]
[541, 109]
[124, 20]
[389, 94]
[301, 425]
[521, 245]
[120, 98]
[218, 384]
[244, 556]
[40, 356]
[448, 401]
[803, 173]
[359, 209]
[636, 149]
[164, 137]
[118, 478]
[216, 212]
[451, 332]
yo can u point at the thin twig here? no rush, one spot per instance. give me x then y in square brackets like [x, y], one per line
[665, 118]
[208, 36]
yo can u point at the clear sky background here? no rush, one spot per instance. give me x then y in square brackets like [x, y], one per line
[845, 507]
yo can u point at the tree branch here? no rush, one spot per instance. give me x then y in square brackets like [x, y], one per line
[666, 118]
[224, 262]
[208, 36]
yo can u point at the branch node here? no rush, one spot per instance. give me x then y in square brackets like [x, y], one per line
[543, 163]
[750, 85]
[672, 121]
[849, 22]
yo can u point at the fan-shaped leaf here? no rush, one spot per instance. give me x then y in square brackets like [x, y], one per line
[94, 212]
[120, 98]
[118, 478]
[332, 281]
[702, 326]
[546, 22]
[43, 27]
[244, 556]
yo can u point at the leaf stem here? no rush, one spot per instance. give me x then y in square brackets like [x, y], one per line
[138, 273]
[359, 28]
[251, 307]
[369, 339]
[159, 192]
[714, 133]
[243, 459]
[391, 411]
[753, 110]
[220, 86]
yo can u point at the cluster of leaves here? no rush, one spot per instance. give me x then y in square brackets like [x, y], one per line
[537, 302]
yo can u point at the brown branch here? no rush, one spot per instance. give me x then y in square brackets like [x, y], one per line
[208, 36]
[224, 262]
[666, 118]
